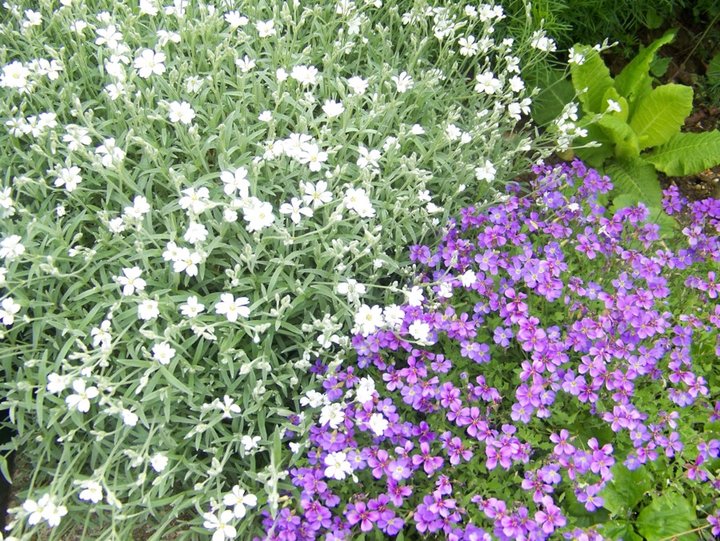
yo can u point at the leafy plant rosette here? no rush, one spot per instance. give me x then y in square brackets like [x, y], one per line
[194, 199]
[632, 128]
[553, 374]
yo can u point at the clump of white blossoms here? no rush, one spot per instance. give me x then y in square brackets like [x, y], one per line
[200, 200]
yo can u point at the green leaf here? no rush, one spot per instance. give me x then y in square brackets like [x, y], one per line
[555, 92]
[619, 530]
[661, 113]
[638, 178]
[634, 80]
[667, 515]
[713, 70]
[627, 146]
[626, 489]
[667, 223]
[687, 153]
[594, 156]
[592, 75]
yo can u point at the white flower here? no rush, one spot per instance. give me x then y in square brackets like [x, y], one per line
[337, 466]
[613, 106]
[235, 19]
[44, 509]
[129, 418]
[139, 208]
[311, 154]
[281, 75]
[313, 399]
[91, 491]
[148, 7]
[485, 172]
[180, 112]
[316, 194]
[378, 423]
[131, 280]
[11, 247]
[159, 462]
[238, 500]
[220, 525]
[351, 289]
[333, 108]
[417, 129]
[541, 42]
[468, 278]
[195, 233]
[148, 309]
[575, 57]
[468, 46]
[80, 401]
[487, 82]
[245, 64]
[172, 252]
[164, 37]
[394, 316]
[187, 261]
[109, 36]
[403, 82]
[196, 201]
[149, 62]
[233, 308]
[15, 75]
[249, 442]
[192, 308]
[258, 215]
[265, 28]
[359, 202]
[8, 309]
[163, 353]
[368, 319]
[365, 390]
[296, 210]
[110, 154]
[415, 296]
[265, 116]
[420, 331]
[228, 407]
[101, 336]
[76, 137]
[332, 415]
[305, 75]
[57, 383]
[516, 84]
[368, 159]
[358, 85]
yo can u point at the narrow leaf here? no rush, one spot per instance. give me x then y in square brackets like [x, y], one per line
[687, 153]
[661, 113]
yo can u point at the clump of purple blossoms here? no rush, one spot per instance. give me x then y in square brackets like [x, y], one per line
[567, 342]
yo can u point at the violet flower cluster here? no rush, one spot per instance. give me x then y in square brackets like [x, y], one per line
[562, 342]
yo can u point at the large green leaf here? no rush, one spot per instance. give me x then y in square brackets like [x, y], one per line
[686, 153]
[627, 146]
[619, 530]
[626, 489]
[637, 178]
[555, 92]
[667, 515]
[591, 79]
[660, 114]
[634, 80]
[594, 156]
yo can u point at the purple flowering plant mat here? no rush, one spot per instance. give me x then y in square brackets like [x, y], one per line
[558, 380]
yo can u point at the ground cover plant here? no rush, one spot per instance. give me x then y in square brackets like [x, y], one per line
[196, 200]
[553, 375]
